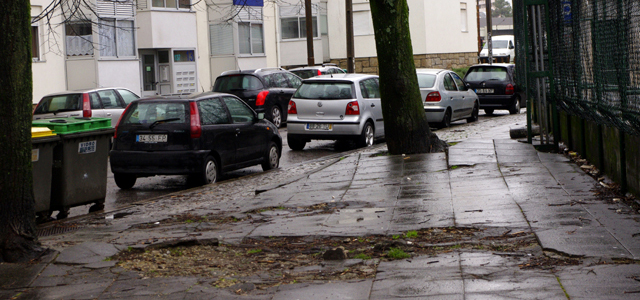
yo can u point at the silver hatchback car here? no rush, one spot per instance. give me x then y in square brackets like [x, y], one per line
[446, 97]
[336, 107]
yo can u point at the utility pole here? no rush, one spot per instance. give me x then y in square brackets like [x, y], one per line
[478, 27]
[309, 18]
[490, 44]
[350, 43]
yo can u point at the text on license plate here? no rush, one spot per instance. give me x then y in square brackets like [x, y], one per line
[151, 138]
[319, 126]
[484, 91]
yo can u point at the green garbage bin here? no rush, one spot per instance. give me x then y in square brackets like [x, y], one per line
[79, 174]
[43, 141]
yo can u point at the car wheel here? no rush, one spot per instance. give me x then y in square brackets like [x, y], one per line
[515, 108]
[296, 144]
[488, 111]
[124, 181]
[276, 116]
[271, 158]
[446, 120]
[474, 114]
[367, 135]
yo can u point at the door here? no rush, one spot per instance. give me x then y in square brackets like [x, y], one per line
[249, 143]
[466, 100]
[218, 133]
[371, 97]
[452, 96]
[149, 74]
[112, 106]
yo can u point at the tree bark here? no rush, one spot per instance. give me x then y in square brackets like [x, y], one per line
[405, 123]
[18, 241]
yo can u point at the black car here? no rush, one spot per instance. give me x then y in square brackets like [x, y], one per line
[495, 86]
[265, 90]
[313, 71]
[200, 135]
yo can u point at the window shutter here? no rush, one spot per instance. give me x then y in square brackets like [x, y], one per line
[142, 4]
[123, 8]
[296, 11]
[221, 39]
[248, 13]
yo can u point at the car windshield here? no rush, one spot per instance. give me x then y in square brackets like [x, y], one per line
[486, 73]
[500, 44]
[325, 90]
[304, 74]
[59, 103]
[238, 82]
[149, 112]
[426, 80]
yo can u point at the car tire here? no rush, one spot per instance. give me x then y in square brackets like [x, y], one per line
[474, 114]
[446, 119]
[271, 158]
[276, 116]
[124, 181]
[488, 111]
[515, 108]
[210, 171]
[296, 144]
[367, 136]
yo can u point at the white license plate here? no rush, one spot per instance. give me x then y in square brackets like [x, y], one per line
[151, 138]
[319, 126]
[87, 147]
[484, 91]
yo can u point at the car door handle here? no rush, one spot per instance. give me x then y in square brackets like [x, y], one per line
[237, 131]
[373, 105]
[108, 114]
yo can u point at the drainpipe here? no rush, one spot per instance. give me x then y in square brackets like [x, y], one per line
[350, 42]
[307, 11]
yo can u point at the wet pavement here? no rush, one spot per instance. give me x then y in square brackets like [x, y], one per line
[486, 182]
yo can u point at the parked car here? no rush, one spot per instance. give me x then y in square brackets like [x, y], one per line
[265, 90]
[201, 135]
[503, 49]
[495, 86]
[99, 102]
[336, 107]
[446, 97]
[313, 71]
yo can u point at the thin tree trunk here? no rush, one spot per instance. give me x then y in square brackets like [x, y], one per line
[405, 123]
[18, 241]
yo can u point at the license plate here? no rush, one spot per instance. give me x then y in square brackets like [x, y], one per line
[87, 147]
[319, 126]
[484, 91]
[151, 138]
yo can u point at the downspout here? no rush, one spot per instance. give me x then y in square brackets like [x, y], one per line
[276, 21]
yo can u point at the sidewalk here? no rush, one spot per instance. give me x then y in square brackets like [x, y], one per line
[512, 223]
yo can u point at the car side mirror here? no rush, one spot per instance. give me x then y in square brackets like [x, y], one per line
[467, 85]
[511, 47]
[260, 116]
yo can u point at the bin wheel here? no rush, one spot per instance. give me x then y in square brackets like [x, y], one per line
[43, 217]
[63, 214]
[124, 181]
[96, 207]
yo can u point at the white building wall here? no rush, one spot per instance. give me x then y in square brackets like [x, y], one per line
[119, 73]
[202, 51]
[166, 29]
[49, 69]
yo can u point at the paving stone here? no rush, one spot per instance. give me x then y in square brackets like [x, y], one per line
[86, 253]
[606, 282]
[13, 276]
[357, 290]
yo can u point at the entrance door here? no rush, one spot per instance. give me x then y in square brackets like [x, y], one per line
[149, 74]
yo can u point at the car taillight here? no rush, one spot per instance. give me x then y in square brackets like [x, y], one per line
[86, 106]
[261, 97]
[115, 133]
[196, 130]
[292, 108]
[509, 90]
[319, 72]
[352, 108]
[433, 97]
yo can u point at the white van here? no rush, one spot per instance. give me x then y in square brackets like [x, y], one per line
[504, 49]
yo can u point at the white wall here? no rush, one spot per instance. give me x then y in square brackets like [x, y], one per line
[49, 71]
[165, 29]
[120, 73]
[81, 73]
[294, 53]
[443, 27]
[205, 78]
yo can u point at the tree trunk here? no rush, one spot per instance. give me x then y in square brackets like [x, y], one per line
[405, 123]
[18, 241]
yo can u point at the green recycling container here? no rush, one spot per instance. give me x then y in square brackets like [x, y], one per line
[43, 141]
[79, 174]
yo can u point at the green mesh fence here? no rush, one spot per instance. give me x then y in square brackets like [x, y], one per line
[595, 49]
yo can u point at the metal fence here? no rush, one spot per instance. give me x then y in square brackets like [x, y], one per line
[592, 50]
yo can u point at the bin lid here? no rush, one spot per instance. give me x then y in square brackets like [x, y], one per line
[73, 124]
[37, 132]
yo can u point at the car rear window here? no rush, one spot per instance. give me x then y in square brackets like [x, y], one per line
[500, 44]
[60, 103]
[486, 73]
[304, 74]
[149, 112]
[240, 82]
[325, 90]
[426, 80]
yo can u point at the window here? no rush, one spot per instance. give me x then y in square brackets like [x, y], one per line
[117, 38]
[250, 40]
[35, 42]
[212, 112]
[240, 113]
[459, 82]
[109, 99]
[294, 81]
[463, 17]
[369, 88]
[449, 85]
[296, 27]
[186, 4]
[221, 39]
[78, 38]
[276, 80]
[127, 96]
